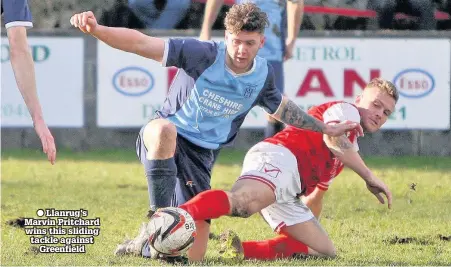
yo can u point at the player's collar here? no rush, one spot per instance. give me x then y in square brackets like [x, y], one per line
[254, 64]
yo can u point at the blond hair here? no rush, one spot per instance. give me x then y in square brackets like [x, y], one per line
[245, 17]
[385, 86]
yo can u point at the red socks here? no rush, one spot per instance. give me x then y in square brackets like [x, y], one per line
[210, 204]
[281, 246]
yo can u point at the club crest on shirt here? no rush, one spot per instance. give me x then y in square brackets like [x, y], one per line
[249, 90]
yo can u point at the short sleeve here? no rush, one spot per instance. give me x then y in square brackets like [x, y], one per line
[324, 186]
[16, 13]
[271, 97]
[343, 112]
[189, 54]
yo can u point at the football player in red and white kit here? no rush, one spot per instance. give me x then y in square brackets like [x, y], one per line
[297, 163]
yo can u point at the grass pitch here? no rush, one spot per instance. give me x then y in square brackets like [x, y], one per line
[111, 185]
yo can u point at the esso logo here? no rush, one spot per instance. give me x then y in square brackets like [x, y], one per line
[133, 81]
[414, 83]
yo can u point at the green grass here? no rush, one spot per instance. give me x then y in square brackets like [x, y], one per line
[111, 185]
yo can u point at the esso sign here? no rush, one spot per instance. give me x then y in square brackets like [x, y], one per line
[133, 81]
[414, 83]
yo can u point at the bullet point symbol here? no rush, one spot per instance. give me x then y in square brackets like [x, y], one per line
[40, 213]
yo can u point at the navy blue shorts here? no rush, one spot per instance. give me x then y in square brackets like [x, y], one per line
[278, 73]
[194, 166]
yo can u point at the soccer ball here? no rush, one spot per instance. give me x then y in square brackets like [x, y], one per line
[172, 231]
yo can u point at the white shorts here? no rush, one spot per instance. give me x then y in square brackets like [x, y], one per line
[277, 167]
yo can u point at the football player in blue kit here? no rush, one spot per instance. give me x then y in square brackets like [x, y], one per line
[216, 85]
[285, 19]
[17, 18]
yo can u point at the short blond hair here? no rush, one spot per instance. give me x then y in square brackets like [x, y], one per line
[245, 17]
[385, 86]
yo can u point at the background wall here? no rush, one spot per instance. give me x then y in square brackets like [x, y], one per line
[51, 18]
[386, 142]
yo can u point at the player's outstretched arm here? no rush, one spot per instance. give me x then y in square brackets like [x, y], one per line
[23, 67]
[289, 113]
[347, 154]
[124, 39]
[295, 15]
[211, 13]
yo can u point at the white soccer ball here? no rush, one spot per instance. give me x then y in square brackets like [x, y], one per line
[172, 231]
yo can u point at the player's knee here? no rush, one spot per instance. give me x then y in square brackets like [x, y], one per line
[330, 251]
[242, 212]
[242, 205]
[326, 250]
[159, 131]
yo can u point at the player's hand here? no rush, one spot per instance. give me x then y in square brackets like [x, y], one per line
[85, 21]
[342, 128]
[47, 140]
[377, 187]
[289, 46]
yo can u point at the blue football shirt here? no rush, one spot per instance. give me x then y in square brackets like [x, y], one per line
[206, 101]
